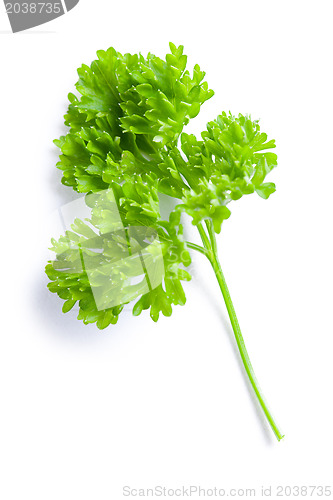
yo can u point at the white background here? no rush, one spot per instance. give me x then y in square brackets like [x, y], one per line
[84, 413]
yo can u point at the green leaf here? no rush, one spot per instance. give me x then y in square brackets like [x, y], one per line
[266, 189]
[68, 305]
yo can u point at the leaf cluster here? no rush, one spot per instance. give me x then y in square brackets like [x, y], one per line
[126, 138]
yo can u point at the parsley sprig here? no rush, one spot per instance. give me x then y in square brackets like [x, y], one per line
[125, 147]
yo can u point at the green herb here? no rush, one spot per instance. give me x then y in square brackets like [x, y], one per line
[125, 147]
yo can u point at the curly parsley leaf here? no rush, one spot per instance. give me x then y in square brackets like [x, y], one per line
[124, 130]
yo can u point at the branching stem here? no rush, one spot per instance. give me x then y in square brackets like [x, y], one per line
[198, 248]
[209, 242]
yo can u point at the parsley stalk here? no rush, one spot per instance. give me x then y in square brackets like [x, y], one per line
[211, 252]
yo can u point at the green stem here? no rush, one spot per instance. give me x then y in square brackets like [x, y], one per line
[198, 248]
[211, 246]
[204, 237]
